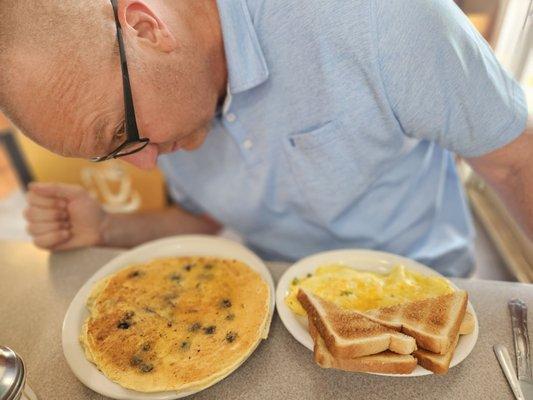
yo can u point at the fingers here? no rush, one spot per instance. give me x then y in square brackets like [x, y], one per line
[52, 239]
[41, 228]
[55, 190]
[38, 214]
[47, 215]
[48, 227]
[35, 200]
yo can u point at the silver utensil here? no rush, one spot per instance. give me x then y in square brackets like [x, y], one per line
[507, 366]
[518, 310]
[12, 374]
[13, 384]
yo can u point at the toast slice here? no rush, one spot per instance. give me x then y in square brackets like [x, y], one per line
[386, 362]
[440, 363]
[437, 363]
[467, 326]
[433, 322]
[350, 334]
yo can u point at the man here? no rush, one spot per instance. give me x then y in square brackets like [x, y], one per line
[331, 123]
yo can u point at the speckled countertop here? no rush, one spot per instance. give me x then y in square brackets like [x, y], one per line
[36, 288]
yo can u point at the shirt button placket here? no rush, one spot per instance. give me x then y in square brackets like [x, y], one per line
[245, 144]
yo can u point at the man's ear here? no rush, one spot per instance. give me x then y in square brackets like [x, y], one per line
[144, 23]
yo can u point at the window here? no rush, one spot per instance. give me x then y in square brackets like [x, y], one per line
[515, 42]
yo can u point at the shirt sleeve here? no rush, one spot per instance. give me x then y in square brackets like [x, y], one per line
[442, 79]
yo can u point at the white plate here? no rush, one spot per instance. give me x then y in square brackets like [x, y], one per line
[76, 314]
[364, 260]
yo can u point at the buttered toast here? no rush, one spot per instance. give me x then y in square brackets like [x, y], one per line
[372, 342]
[350, 334]
[433, 322]
[440, 363]
[385, 362]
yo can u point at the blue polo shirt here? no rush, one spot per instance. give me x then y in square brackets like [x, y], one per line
[340, 125]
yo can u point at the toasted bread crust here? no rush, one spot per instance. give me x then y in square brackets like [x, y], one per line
[351, 334]
[385, 362]
[434, 322]
[437, 363]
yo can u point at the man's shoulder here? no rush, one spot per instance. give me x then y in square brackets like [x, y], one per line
[416, 15]
[346, 8]
[308, 10]
[328, 21]
[350, 19]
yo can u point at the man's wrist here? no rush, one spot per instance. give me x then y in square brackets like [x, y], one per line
[104, 231]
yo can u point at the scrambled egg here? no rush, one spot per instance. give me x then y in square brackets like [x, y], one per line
[357, 290]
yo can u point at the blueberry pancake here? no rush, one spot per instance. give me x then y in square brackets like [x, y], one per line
[175, 324]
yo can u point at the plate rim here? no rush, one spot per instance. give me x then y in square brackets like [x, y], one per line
[77, 310]
[289, 319]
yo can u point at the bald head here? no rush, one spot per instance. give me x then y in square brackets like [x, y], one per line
[35, 23]
[61, 83]
[51, 45]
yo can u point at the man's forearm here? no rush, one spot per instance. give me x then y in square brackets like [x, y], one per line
[517, 195]
[517, 190]
[510, 173]
[128, 230]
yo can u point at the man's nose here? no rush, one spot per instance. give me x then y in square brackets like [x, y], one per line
[145, 159]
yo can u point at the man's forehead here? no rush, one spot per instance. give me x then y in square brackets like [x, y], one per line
[47, 73]
[67, 116]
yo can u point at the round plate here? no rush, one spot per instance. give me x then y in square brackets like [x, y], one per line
[363, 260]
[178, 246]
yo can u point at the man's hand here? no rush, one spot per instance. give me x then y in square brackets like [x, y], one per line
[63, 217]
[509, 171]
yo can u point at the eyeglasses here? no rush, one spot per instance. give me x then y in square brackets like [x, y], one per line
[133, 143]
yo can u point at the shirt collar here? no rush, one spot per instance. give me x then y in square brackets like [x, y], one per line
[247, 67]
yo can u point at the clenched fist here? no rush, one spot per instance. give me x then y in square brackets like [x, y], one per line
[63, 217]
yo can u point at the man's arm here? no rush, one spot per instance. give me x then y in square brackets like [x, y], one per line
[509, 170]
[133, 229]
[63, 217]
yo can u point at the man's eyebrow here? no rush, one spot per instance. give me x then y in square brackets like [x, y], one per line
[104, 129]
[100, 127]
[102, 133]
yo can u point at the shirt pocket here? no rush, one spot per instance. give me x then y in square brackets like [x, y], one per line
[325, 167]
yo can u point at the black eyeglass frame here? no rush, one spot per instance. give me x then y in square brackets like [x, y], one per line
[132, 132]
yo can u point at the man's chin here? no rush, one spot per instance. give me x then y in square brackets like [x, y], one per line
[192, 146]
[196, 141]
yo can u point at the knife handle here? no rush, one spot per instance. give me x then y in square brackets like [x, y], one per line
[507, 366]
[518, 310]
